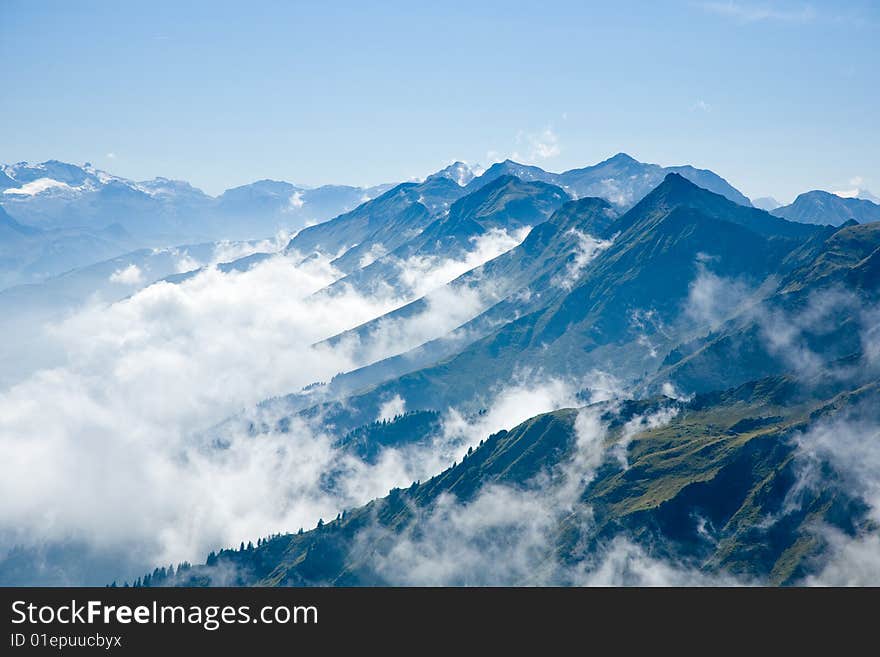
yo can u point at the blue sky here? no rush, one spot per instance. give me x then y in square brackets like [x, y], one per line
[778, 97]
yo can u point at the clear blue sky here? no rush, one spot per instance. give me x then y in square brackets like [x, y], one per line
[778, 97]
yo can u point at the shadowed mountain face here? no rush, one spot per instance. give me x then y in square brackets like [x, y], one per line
[528, 277]
[819, 313]
[387, 222]
[500, 209]
[818, 207]
[507, 202]
[624, 311]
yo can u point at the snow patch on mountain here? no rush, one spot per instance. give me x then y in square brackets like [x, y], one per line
[37, 187]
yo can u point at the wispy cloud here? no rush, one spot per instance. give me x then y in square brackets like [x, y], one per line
[538, 146]
[753, 13]
[701, 106]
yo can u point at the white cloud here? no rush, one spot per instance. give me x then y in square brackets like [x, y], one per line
[586, 249]
[392, 408]
[130, 275]
[446, 306]
[296, 201]
[701, 106]
[505, 535]
[712, 299]
[850, 443]
[784, 333]
[110, 156]
[376, 251]
[102, 449]
[847, 193]
[110, 446]
[852, 561]
[670, 390]
[423, 273]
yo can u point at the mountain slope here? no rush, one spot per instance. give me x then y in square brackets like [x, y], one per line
[528, 277]
[11, 230]
[386, 221]
[819, 313]
[818, 207]
[499, 209]
[626, 310]
[708, 490]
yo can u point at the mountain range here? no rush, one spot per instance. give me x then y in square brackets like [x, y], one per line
[716, 366]
[76, 215]
[738, 336]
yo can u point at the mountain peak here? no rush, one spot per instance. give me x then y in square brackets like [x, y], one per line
[622, 158]
[821, 207]
[459, 172]
[767, 203]
[678, 181]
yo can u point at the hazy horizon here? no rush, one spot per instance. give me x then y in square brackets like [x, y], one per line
[776, 97]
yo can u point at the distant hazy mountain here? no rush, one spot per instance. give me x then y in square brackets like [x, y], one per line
[270, 202]
[29, 254]
[25, 310]
[55, 194]
[75, 215]
[621, 179]
[818, 207]
[11, 230]
[767, 203]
